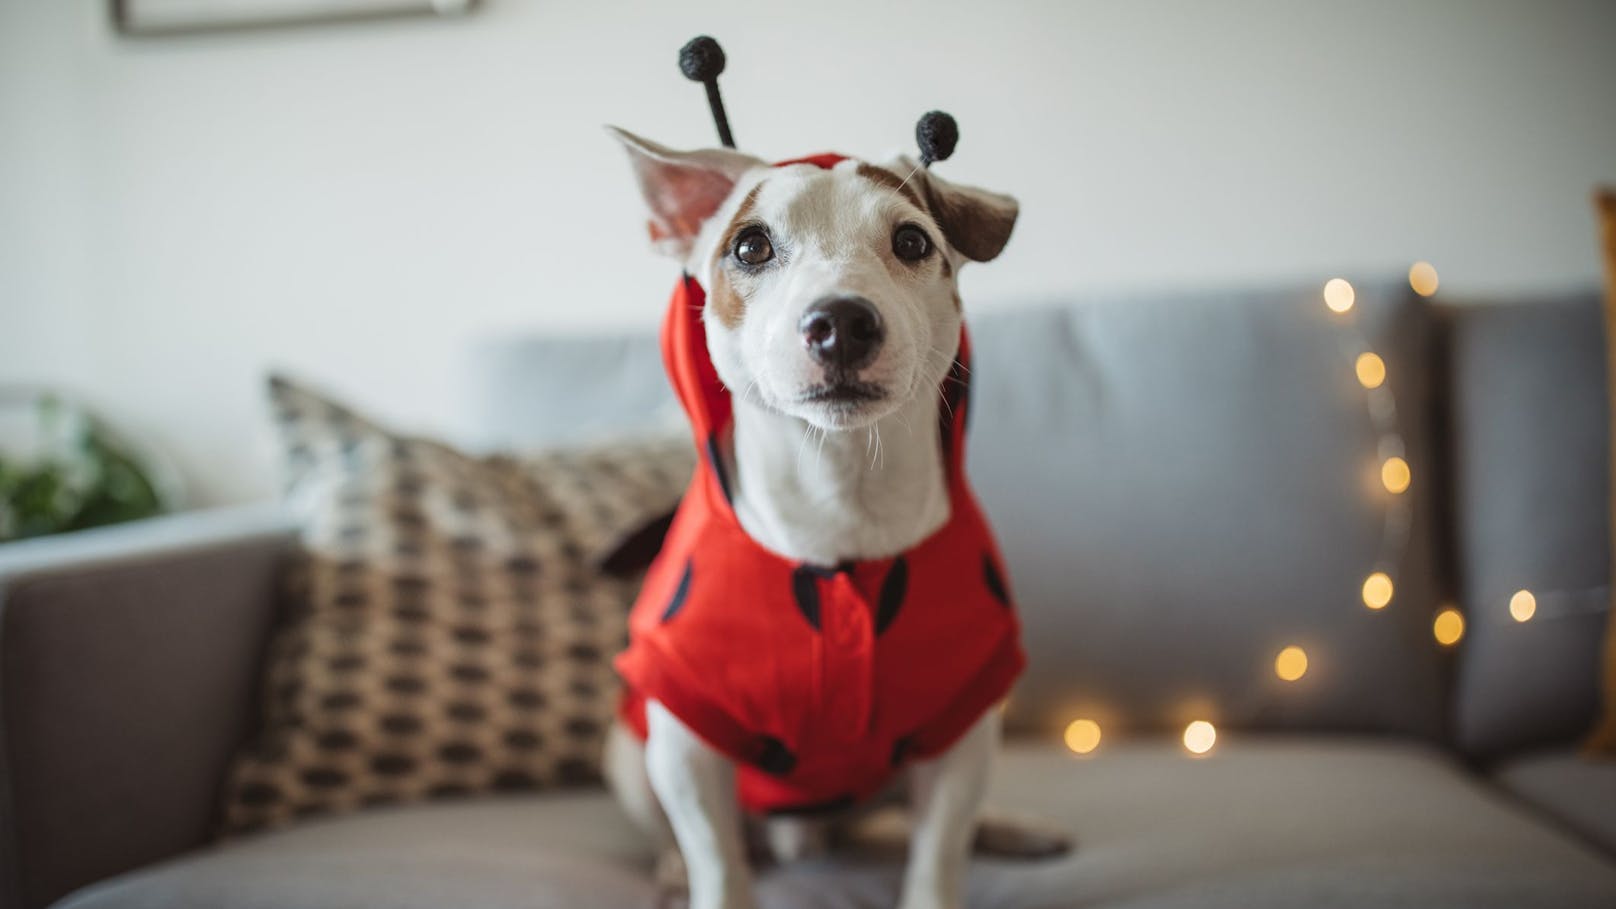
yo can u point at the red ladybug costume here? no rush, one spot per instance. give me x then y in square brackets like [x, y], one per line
[820, 681]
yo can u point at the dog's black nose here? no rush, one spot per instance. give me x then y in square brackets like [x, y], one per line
[842, 332]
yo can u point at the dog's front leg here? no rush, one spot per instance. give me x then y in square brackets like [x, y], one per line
[696, 786]
[946, 794]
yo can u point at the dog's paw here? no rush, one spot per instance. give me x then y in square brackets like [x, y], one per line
[672, 884]
[1002, 836]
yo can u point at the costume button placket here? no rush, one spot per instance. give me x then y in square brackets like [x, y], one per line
[848, 652]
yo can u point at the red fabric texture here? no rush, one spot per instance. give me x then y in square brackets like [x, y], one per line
[820, 681]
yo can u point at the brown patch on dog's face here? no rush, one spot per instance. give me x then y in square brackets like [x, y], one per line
[891, 180]
[727, 303]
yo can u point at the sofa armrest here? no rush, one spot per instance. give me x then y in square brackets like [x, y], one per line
[129, 661]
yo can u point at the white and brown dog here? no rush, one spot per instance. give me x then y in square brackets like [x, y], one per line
[833, 314]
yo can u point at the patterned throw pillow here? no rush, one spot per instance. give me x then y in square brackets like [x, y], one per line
[448, 631]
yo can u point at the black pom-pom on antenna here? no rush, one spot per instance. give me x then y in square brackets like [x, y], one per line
[702, 60]
[937, 134]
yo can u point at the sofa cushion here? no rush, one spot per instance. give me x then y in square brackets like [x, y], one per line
[450, 632]
[1258, 823]
[1184, 486]
[1531, 510]
[1573, 789]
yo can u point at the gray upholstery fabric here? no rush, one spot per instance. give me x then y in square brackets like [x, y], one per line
[1183, 486]
[1259, 823]
[128, 659]
[615, 384]
[552, 851]
[1577, 791]
[1532, 510]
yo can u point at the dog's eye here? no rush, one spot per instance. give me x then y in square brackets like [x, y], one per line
[910, 243]
[752, 247]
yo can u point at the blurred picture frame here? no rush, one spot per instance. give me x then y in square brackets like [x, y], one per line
[140, 18]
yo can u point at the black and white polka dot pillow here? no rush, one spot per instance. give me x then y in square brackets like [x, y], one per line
[448, 631]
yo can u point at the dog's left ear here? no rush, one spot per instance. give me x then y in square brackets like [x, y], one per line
[976, 222]
[682, 189]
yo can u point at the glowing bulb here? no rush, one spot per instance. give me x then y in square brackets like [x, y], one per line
[1377, 590]
[1522, 606]
[1448, 627]
[1083, 736]
[1394, 475]
[1338, 295]
[1371, 370]
[1291, 664]
[1422, 277]
[1200, 736]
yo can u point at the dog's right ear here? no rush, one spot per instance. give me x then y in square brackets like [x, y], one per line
[682, 189]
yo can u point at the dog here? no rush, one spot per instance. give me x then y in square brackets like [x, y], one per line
[817, 342]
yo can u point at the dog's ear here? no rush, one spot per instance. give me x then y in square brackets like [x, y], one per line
[682, 189]
[975, 221]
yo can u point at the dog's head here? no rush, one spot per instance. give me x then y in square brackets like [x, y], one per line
[832, 293]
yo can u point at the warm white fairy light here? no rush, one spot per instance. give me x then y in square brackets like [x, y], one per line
[1291, 663]
[1395, 475]
[1339, 295]
[1377, 590]
[1522, 606]
[1200, 736]
[1371, 369]
[1422, 277]
[1448, 627]
[1082, 735]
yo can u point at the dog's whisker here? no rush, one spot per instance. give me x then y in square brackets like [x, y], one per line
[908, 428]
[802, 446]
[956, 363]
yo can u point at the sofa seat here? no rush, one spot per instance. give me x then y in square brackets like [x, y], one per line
[1279, 822]
[1569, 788]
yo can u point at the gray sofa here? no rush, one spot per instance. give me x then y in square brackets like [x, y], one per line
[1183, 485]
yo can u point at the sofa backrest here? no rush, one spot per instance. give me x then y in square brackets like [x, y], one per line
[1528, 429]
[1186, 485]
[1183, 485]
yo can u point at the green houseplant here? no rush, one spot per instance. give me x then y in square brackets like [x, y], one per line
[63, 470]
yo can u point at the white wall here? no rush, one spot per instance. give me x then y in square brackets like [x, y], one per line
[358, 204]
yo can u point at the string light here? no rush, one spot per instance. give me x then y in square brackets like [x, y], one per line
[1291, 663]
[1339, 295]
[1083, 736]
[1522, 606]
[1422, 277]
[1448, 627]
[1371, 370]
[1394, 475]
[1200, 736]
[1377, 590]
